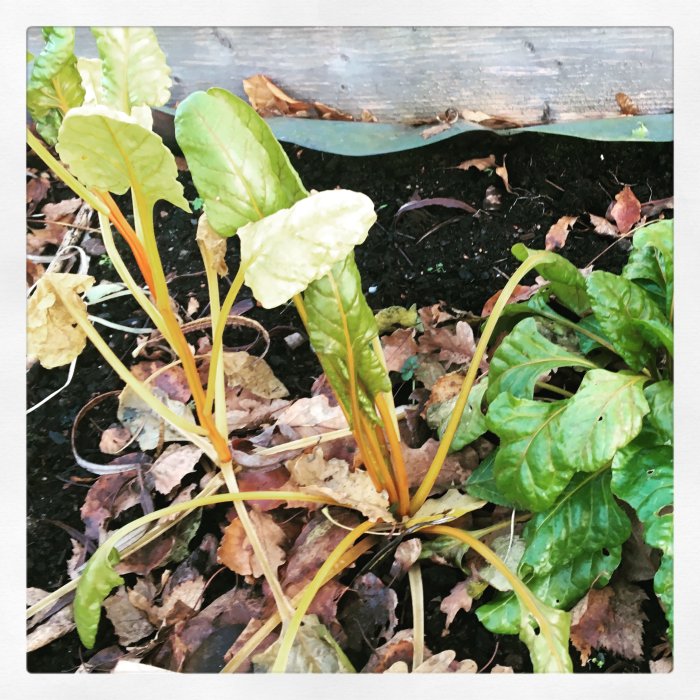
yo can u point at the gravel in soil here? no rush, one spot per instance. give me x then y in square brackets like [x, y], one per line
[427, 255]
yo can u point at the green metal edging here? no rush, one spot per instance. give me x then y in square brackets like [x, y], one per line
[366, 139]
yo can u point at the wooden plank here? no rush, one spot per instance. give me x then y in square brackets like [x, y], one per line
[527, 74]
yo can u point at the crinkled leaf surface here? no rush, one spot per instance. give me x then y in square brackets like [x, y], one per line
[585, 518]
[525, 468]
[618, 305]
[396, 316]
[286, 251]
[660, 416]
[108, 150]
[452, 502]
[510, 550]
[565, 280]
[314, 651]
[559, 588]
[643, 477]
[524, 356]
[604, 415]
[96, 582]
[472, 424]
[586, 343]
[90, 70]
[54, 85]
[341, 323]
[657, 333]
[134, 70]
[238, 167]
[52, 335]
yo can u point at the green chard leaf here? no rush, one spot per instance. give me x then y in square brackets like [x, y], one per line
[651, 260]
[340, 321]
[134, 70]
[660, 416]
[585, 518]
[604, 415]
[643, 477]
[482, 483]
[525, 469]
[54, 85]
[565, 280]
[657, 333]
[472, 424]
[109, 150]
[561, 588]
[586, 343]
[524, 356]
[285, 252]
[619, 305]
[238, 167]
[96, 582]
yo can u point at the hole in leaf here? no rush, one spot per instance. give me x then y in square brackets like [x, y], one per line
[600, 418]
[650, 472]
[606, 552]
[666, 510]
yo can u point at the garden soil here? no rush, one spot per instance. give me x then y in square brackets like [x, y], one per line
[427, 255]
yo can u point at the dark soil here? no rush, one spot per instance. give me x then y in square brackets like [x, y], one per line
[461, 263]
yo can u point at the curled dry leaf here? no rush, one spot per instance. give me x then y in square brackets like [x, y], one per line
[624, 102]
[110, 495]
[53, 337]
[37, 187]
[175, 461]
[405, 556]
[59, 624]
[626, 210]
[609, 618]
[458, 599]
[212, 246]
[236, 552]
[488, 163]
[520, 293]
[602, 226]
[398, 347]
[254, 374]
[431, 131]
[452, 503]
[312, 416]
[559, 232]
[172, 380]
[398, 648]
[333, 478]
[56, 218]
[245, 410]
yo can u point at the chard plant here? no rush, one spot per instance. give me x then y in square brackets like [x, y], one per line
[563, 462]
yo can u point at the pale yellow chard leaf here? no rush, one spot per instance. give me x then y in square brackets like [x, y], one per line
[549, 644]
[333, 478]
[286, 251]
[134, 70]
[314, 651]
[212, 246]
[90, 70]
[54, 85]
[451, 504]
[53, 337]
[108, 150]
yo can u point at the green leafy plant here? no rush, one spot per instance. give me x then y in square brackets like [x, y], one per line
[563, 460]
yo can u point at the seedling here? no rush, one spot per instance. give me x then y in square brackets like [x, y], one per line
[560, 460]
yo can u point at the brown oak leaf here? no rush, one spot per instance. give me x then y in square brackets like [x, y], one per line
[626, 210]
[455, 346]
[175, 461]
[398, 347]
[458, 599]
[559, 232]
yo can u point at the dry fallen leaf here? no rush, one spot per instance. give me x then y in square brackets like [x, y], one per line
[664, 665]
[398, 648]
[520, 293]
[398, 347]
[236, 552]
[431, 131]
[604, 227]
[455, 470]
[445, 388]
[114, 440]
[110, 495]
[172, 380]
[130, 623]
[624, 102]
[192, 306]
[245, 410]
[559, 232]
[455, 347]
[333, 478]
[59, 624]
[56, 216]
[37, 187]
[53, 336]
[457, 600]
[254, 374]
[175, 461]
[610, 618]
[488, 163]
[312, 416]
[405, 556]
[626, 210]
[212, 246]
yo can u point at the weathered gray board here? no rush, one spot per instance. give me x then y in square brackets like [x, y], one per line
[526, 74]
